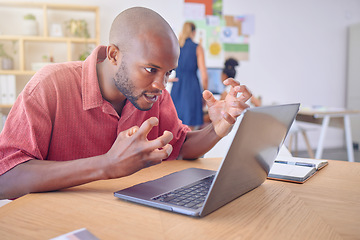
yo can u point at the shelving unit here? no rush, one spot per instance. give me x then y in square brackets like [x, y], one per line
[23, 39]
[29, 48]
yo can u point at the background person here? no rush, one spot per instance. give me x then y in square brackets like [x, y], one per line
[186, 91]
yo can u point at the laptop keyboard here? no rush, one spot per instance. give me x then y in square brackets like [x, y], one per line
[191, 196]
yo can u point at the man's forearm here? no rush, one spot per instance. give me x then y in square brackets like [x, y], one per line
[199, 142]
[42, 176]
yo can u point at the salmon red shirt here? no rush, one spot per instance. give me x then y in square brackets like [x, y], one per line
[61, 115]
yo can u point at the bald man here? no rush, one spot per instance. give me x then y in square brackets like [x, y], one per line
[107, 117]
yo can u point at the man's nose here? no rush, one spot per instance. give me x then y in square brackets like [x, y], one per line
[160, 83]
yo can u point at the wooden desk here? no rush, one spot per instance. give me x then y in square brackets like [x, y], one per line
[339, 118]
[327, 206]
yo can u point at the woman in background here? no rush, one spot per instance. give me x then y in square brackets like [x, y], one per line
[229, 71]
[186, 93]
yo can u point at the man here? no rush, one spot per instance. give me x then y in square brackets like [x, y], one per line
[110, 115]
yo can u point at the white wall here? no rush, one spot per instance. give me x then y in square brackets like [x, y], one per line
[298, 51]
[297, 54]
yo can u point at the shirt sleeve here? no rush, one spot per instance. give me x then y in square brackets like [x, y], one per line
[27, 130]
[169, 121]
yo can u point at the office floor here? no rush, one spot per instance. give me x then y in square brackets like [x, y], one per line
[333, 153]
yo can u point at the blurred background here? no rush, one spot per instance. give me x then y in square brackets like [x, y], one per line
[297, 51]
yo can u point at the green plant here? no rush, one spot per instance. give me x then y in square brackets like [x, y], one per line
[3, 53]
[77, 28]
[14, 46]
[84, 55]
[29, 17]
[7, 62]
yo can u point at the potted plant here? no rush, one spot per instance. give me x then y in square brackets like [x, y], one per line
[30, 25]
[77, 28]
[7, 62]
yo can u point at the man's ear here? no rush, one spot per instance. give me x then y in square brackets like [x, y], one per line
[113, 54]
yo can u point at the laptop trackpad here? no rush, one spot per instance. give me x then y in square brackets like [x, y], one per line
[167, 183]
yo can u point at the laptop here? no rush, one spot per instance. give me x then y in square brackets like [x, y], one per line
[198, 192]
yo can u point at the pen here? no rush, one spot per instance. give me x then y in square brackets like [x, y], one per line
[296, 163]
[305, 164]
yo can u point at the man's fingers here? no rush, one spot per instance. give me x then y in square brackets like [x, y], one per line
[144, 129]
[230, 119]
[232, 82]
[246, 93]
[156, 156]
[163, 152]
[238, 104]
[161, 141]
[168, 149]
[147, 125]
[141, 136]
[234, 86]
[128, 132]
[131, 131]
[237, 88]
[209, 98]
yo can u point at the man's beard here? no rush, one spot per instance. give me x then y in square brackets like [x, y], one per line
[126, 87]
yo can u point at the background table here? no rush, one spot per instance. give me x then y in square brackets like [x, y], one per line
[327, 206]
[339, 118]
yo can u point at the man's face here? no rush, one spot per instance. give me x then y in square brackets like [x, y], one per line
[144, 71]
[128, 89]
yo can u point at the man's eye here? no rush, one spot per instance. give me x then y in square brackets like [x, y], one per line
[169, 72]
[150, 70]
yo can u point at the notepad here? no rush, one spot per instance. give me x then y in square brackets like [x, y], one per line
[295, 169]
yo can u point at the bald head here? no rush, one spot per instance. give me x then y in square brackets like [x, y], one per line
[139, 23]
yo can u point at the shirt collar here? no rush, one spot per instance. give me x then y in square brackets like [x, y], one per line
[91, 93]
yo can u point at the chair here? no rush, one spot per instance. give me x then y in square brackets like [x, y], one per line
[293, 134]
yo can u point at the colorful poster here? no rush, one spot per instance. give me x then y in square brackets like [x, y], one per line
[194, 11]
[238, 46]
[229, 35]
[221, 36]
[210, 38]
[212, 7]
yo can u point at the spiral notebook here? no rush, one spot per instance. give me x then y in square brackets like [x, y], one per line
[294, 169]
